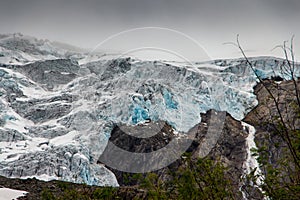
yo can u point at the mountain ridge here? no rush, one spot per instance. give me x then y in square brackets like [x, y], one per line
[59, 109]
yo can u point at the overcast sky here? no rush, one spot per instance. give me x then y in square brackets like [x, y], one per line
[262, 24]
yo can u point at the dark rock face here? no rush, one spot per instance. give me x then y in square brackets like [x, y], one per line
[262, 117]
[23, 45]
[229, 147]
[47, 131]
[44, 113]
[142, 145]
[51, 73]
[9, 88]
[41, 110]
[115, 67]
[36, 188]
[104, 71]
[133, 139]
[11, 136]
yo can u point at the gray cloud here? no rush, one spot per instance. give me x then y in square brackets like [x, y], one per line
[262, 24]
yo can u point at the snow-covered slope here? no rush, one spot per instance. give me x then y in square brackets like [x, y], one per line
[57, 111]
[10, 194]
[18, 49]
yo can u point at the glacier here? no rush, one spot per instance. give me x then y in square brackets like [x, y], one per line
[57, 108]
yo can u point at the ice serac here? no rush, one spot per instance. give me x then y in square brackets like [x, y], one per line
[57, 109]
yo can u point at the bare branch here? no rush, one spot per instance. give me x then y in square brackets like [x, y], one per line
[285, 135]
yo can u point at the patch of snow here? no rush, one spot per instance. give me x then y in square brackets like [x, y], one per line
[66, 139]
[42, 177]
[251, 162]
[36, 92]
[65, 73]
[80, 156]
[10, 194]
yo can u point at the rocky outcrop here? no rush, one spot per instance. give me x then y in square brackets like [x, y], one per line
[41, 110]
[51, 73]
[265, 118]
[229, 147]
[160, 134]
[40, 190]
